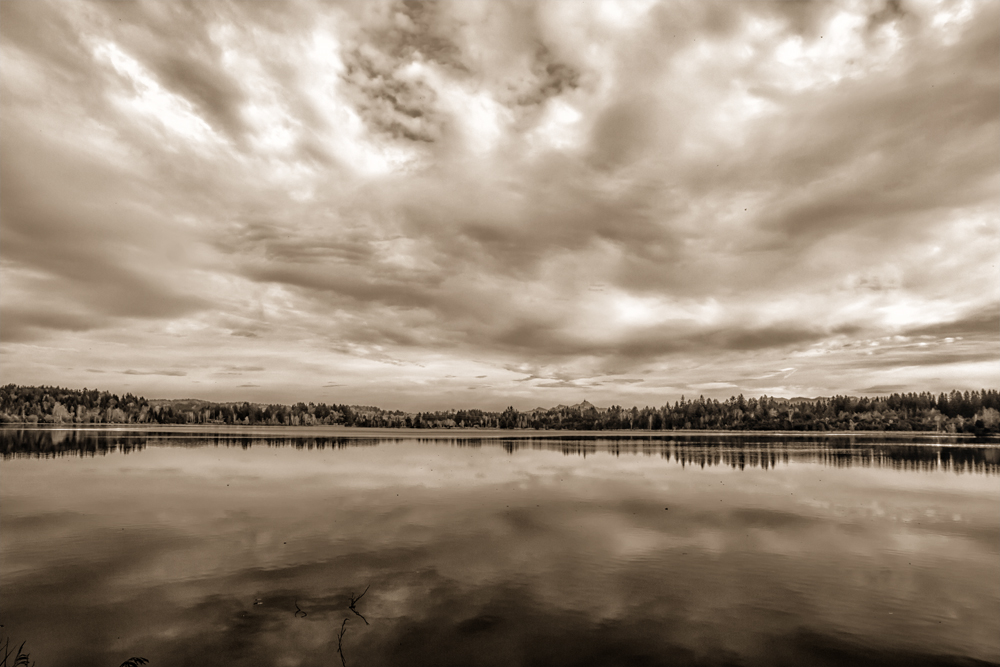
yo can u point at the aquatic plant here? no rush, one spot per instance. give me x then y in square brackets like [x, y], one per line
[20, 657]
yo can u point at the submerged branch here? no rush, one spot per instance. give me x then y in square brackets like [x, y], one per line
[354, 601]
[340, 642]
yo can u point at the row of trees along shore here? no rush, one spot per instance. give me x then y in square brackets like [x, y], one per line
[953, 412]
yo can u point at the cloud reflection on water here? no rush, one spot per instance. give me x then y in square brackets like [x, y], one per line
[487, 555]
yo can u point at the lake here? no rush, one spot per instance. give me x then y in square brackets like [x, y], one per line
[247, 547]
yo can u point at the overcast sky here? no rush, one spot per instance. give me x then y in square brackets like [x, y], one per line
[476, 204]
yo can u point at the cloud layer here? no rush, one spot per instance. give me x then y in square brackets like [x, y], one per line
[481, 203]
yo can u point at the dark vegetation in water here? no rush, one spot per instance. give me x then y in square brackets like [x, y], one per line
[955, 412]
[15, 657]
[18, 658]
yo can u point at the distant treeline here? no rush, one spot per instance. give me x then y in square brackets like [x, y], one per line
[954, 412]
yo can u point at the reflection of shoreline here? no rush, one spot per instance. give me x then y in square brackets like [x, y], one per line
[379, 433]
[44, 443]
[741, 450]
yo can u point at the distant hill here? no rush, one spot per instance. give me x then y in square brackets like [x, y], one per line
[579, 407]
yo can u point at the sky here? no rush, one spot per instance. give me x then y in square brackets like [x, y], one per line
[479, 204]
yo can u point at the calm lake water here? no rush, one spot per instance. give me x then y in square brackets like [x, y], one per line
[246, 548]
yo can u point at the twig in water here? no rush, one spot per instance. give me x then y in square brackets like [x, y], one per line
[354, 601]
[299, 611]
[340, 642]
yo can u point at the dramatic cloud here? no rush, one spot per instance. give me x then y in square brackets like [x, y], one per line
[424, 205]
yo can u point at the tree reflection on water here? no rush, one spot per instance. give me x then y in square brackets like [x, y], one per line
[924, 453]
[254, 548]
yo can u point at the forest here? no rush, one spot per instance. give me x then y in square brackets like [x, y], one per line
[953, 412]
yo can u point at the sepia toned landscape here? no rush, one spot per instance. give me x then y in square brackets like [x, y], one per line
[499, 332]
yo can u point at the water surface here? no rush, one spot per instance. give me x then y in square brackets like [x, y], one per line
[246, 549]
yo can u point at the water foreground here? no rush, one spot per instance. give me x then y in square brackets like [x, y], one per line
[248, 547]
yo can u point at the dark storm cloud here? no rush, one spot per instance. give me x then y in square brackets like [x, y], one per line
[436, 186]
